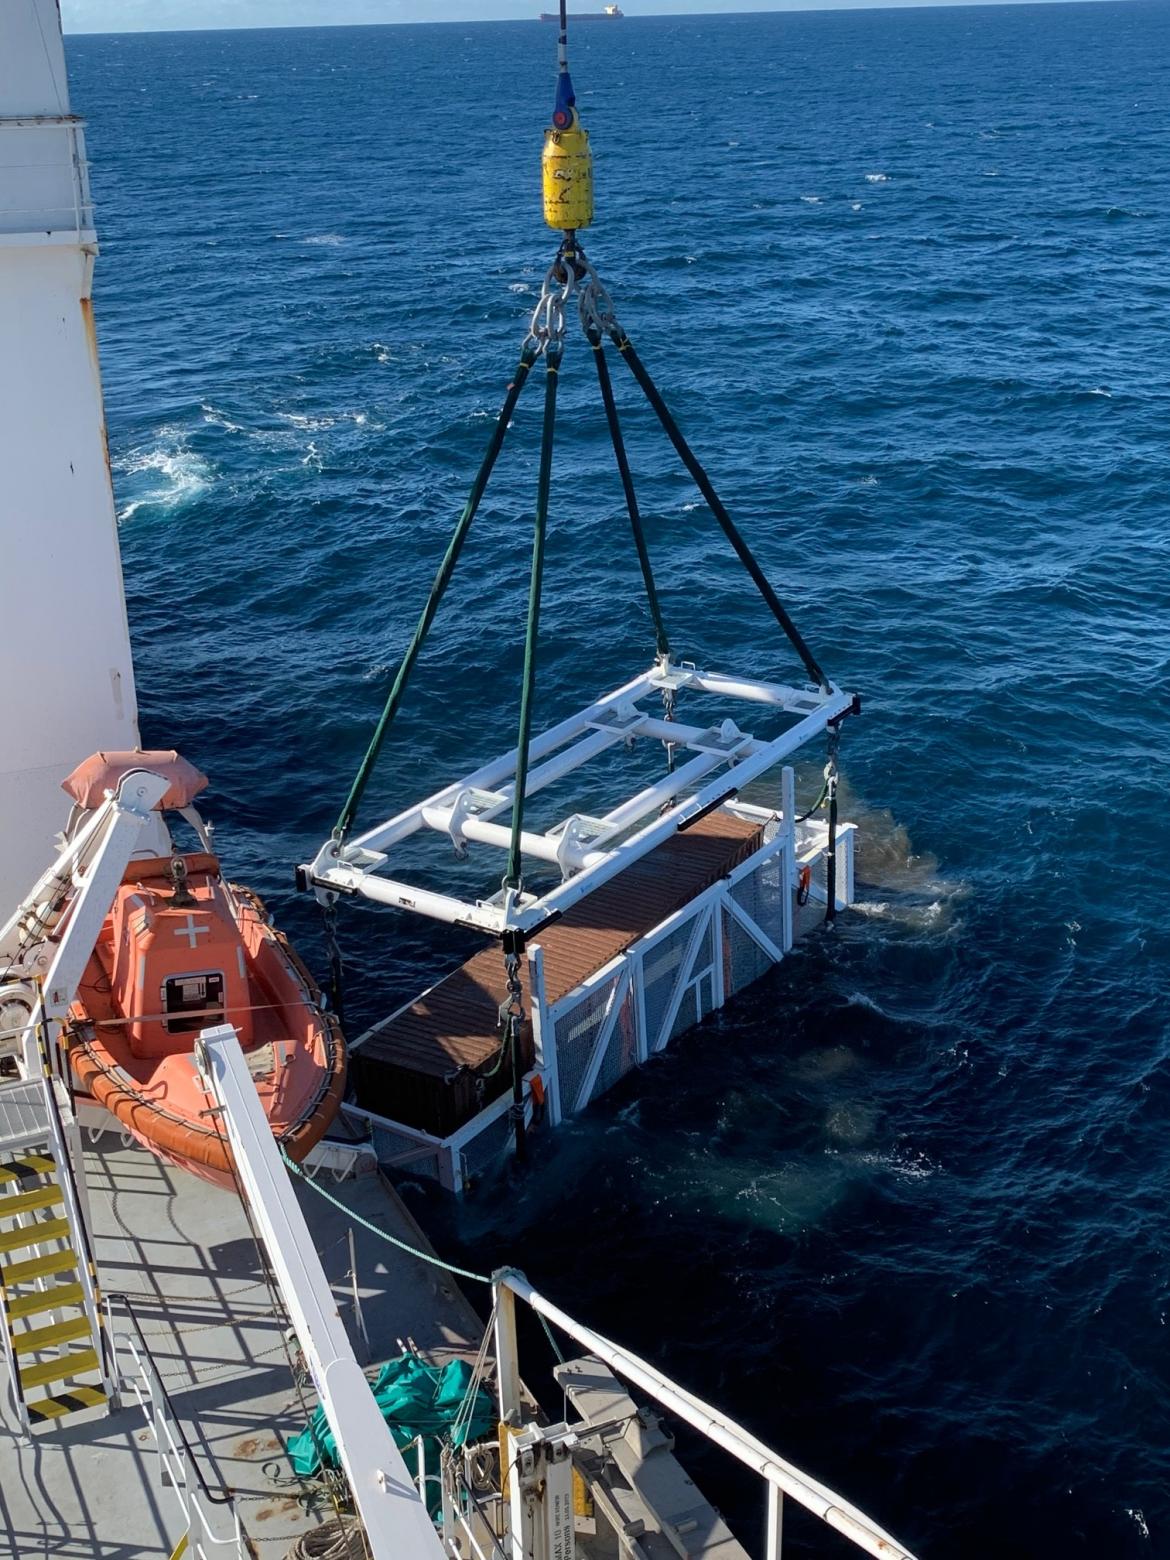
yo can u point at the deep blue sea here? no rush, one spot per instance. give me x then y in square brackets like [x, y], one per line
[903, 277]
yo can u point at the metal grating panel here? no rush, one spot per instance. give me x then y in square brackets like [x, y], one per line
[744, 960]
[577, 1031]
[23, 1114]
[622, 1051]
[488, 1147]
[661, 970]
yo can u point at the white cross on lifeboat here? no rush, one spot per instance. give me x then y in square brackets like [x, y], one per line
[192, 930]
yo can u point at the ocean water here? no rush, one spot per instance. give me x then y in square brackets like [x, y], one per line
[902, 275]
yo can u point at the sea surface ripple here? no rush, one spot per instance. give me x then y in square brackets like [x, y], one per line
[902, 275]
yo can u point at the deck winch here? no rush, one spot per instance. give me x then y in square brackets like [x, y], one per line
[706, 762]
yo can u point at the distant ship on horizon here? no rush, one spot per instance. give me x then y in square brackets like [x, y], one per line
[611, 13]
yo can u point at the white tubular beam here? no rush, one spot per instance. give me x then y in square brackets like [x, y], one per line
[564, 763]
[610, 863]
[492, 775]
[396, 1521]
[130, 811]
[498, 834]
[665, 790]
[802, 700]
[683, 736]
[404, 896]
[823, 1502]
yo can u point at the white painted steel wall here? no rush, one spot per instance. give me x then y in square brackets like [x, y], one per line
[65, 670]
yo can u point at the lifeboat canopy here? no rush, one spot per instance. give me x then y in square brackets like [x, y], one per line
[103, 772]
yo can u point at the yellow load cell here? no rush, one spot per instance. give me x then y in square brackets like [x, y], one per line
[567, 166]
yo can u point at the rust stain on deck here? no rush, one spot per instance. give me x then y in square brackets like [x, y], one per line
[430, 1066]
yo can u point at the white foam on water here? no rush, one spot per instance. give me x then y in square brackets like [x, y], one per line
[163, 476]
[217, 419]
[304, 423]
[1139, 1520]
[877, 178]
[328, 240]
[811, 200]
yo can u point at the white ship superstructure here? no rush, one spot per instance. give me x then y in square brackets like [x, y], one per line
[65, 665]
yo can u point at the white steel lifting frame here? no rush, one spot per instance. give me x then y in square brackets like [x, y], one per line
[589, 849]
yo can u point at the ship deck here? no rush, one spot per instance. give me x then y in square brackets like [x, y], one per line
[182, 1251]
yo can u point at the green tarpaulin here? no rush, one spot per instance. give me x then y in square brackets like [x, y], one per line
[415, 1399]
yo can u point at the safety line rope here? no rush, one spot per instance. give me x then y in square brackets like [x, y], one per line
[392, 1240]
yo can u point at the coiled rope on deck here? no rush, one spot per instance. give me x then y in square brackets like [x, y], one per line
[341, 1538]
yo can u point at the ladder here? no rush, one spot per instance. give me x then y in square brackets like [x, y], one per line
[55, 1344]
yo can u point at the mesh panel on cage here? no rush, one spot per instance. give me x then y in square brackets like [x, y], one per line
[806, 917]
[487, 1148]
[390, 1145]
[759, 895]
[769, 880]
[621, 1053]
[688, 1013]
[746, 960]
[576, 1032]
[660, 972]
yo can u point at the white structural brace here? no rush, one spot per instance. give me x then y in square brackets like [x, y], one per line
[396, 1521]
[588, 847]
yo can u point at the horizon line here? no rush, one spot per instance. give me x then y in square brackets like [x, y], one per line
[797, 7]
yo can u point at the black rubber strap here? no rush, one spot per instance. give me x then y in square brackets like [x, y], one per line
[662, 644]
[552, 363]
[441, 581]
[702, 481]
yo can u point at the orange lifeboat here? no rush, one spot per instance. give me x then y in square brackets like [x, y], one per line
[180, 951]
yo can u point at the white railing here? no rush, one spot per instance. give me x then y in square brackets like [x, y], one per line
[63, 212]
[213, 1527]
[782, 1479]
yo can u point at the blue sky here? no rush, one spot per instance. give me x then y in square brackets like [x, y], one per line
[153, 15]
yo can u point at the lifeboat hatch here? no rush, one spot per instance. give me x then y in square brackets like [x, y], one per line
[191, 1002]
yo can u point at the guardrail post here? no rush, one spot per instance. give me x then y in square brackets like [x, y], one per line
[507, 1361]
[774, 1540]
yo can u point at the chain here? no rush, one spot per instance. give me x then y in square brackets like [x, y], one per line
[669, 702]
[336, 963]
[546, 332]
[570, 274]
[594, 302]
[831, 774]
[512, 1008]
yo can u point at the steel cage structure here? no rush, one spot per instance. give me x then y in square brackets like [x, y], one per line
[589, 848]
[633, 1007]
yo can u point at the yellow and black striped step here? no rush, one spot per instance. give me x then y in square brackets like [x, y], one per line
[58, 1298]
[25, 1167]
[77, 1362]
[65, 1403]
[28, 1202]
[36, 1234]
[30, 1268]
[37, 1339]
